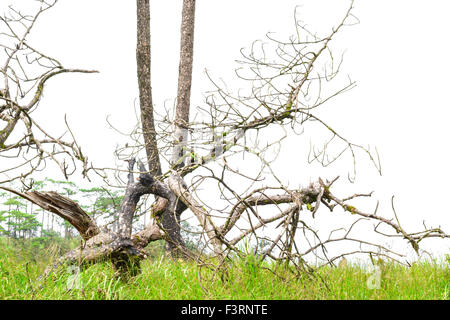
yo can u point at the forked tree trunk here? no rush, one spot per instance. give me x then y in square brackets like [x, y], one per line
[171, 214]
[121, 247]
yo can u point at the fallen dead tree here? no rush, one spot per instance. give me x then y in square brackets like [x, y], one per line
[284, 93]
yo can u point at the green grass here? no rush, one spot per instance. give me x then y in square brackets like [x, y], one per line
[165, 279]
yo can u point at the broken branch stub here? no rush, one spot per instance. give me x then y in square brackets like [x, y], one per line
[64, 207]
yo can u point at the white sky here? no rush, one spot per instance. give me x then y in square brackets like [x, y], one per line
[398, 55]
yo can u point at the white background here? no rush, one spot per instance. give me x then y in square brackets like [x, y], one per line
[398, 54]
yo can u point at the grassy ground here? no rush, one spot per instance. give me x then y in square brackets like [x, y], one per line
[164, 279]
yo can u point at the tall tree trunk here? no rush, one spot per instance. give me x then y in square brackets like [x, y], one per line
[184, 82]
[171, 218]
[143, 57]
[171, 214]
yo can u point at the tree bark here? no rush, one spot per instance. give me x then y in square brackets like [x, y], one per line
[184, 82]
[171, 216]
[173, 208]
[143, 57]
[178, 187]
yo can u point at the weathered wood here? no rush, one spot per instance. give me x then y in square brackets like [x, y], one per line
[64, 207]
[143, 58]
[106, 245]
[259, 198]
[178, 186]
[172, 213]
[121, 248]
[151, 232]
[170, 222]
[184, 82]
[129, 203]
[146, 184]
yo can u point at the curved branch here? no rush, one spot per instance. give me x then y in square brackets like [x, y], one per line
[40, 86]
[178, 187]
